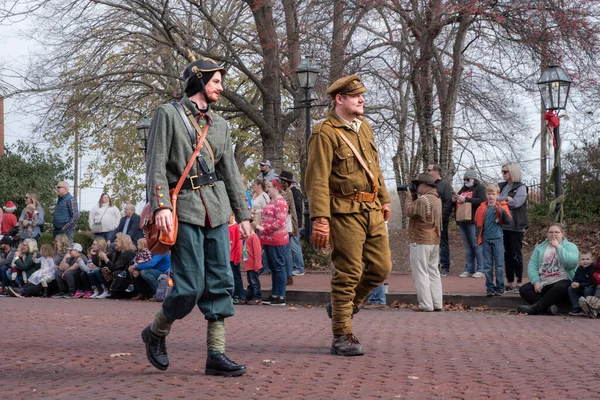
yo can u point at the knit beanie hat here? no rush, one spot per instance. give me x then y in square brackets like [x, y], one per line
[471, 173]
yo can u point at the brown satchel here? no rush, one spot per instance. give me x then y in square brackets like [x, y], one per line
[159, 242]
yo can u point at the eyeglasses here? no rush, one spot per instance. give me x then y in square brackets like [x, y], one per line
[60, 187]
[504, 172]
[467, 180]
[430, 170]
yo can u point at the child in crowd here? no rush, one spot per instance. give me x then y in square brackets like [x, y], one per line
[582, 284]
[235, 257]
[31, 216]
[489, 218]
[591, 304]
[45, 274]
[14, 271]
[143, 255]
[252, 265]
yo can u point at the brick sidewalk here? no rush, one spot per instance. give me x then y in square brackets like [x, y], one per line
[61, 349]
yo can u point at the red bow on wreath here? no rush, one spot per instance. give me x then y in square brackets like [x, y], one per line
[552, 121]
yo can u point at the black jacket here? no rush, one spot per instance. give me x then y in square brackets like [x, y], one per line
[444, 190]
[583, 276]
[133, 230]
[476, 199]
[298, 204]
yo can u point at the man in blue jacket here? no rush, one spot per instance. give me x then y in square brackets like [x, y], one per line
[66, 212]
[130, 224]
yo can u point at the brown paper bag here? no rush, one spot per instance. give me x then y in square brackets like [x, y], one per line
[463, 212]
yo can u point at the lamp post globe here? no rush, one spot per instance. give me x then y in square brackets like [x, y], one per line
[554, 85]
[143, 128]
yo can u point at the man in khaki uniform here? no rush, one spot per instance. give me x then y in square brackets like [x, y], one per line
[351, 201]
[424, 209]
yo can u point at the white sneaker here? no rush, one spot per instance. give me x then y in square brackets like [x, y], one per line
[478, 274]
[95, 295]
[297, 273]
[104, 295]
[465, 275]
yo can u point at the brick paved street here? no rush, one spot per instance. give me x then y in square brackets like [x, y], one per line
[61, 349]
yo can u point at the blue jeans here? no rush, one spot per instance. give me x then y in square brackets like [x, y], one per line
[96, 278]
[5, 277]
[68, 232]
[377, 296]
[276, 260]
[289, 264]
[238, 284]
[473, 251]
[493, 258]
[108, 236]
[253, 291]
[297, 254]
[150, 276]
[575, 294]
[265, 263]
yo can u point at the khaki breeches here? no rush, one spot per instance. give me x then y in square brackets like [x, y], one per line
[356, 239]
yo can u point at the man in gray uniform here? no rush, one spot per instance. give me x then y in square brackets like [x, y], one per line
[211, 193]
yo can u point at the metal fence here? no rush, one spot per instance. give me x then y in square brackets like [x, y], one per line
[534, 192]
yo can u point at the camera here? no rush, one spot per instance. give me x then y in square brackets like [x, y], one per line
[405, 188]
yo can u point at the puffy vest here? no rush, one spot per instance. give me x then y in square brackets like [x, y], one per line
[62, 211]
[519, 214]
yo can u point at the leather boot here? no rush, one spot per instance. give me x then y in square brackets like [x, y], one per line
[346, 345]
[329, 310]
[45, 292]
[531, 309]
[156, 349]
[220, 365]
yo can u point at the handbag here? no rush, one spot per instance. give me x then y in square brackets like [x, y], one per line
[463, 212]
[160, 242]
[97, 226]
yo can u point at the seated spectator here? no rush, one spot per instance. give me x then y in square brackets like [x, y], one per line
[118, 263]
[582, 285]
[31, 220]
[146, 269]
[104, 218]
[9, 220]
[130, 224]
[376, 299]
[591, 304]
[69, 277]
[24, 262]
[7, 253]
[97, 260]
[550, 269]
[38, 281]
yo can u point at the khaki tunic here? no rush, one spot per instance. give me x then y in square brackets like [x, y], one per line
[358, 233]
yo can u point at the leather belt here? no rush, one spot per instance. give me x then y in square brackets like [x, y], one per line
[358, 196]
[197, 182]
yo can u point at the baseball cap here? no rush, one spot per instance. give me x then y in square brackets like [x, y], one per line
[76, 246]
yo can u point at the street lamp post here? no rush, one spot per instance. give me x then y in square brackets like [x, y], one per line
[307, 74]
[554, 85]
[143, 127]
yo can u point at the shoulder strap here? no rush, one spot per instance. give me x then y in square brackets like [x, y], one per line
[195, 123]
[186, 171]
[357, 155]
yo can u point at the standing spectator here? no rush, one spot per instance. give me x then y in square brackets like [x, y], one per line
[7, 254]
[347, 194]
[104, 218]
[291, 226]
[9, 220]
[275, 239]
[513, 191]
[424, 210]
[235, 259]
[583, 284]
[97, 260]
[266, 173]
[245, 183]
[146, 269]
[551, 267]
[66, 212]
[69, 274]
[288, 183]
[259, 201]
[200, 255]
[490, 218]
[444, 190]
[130, 224]
[252, 265]
[32, 222]
[472, 192]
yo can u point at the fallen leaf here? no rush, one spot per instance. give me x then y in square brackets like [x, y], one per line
[413, 377]
[119, 355]
[292, 309]
[268, 362]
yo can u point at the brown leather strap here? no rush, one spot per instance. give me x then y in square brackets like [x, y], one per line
[358, 196]
[188, 167]
[358, 157]
[197, 127]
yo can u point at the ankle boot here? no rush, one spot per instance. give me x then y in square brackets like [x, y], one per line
[44, 292]
[346, 345]
[220, 365]
[156, 348]
[531, 309]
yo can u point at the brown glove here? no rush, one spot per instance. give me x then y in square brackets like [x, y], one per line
[387, 211]
[320, 233]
